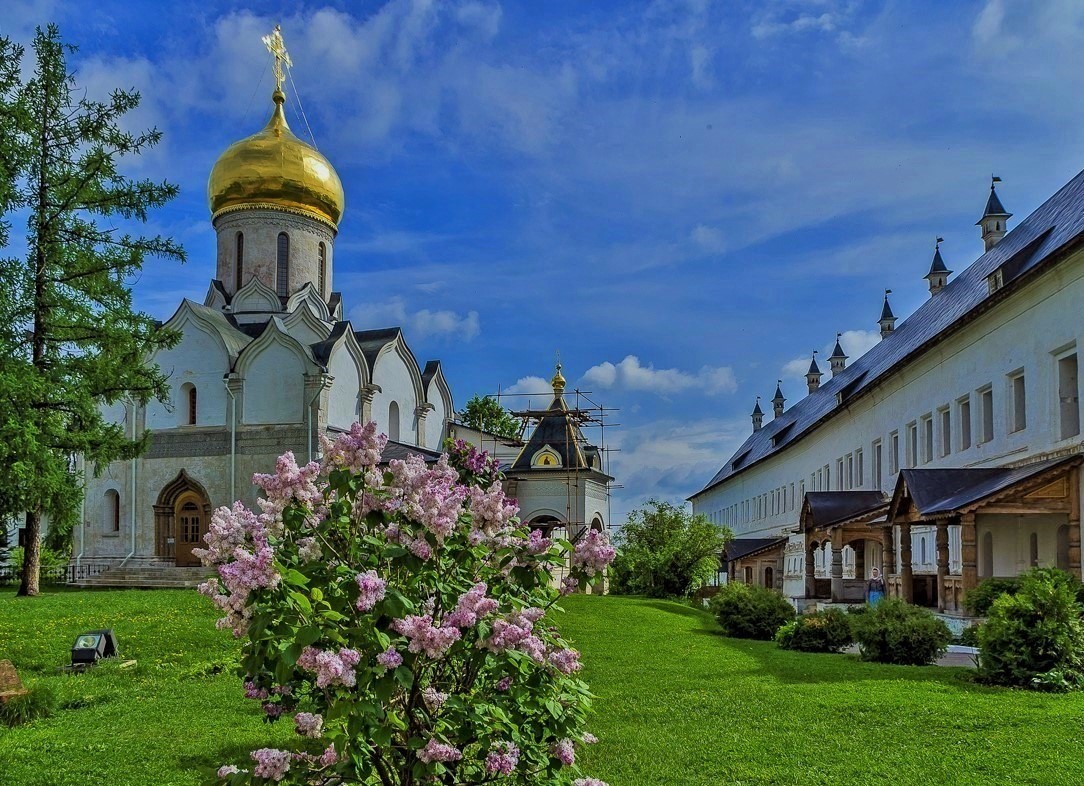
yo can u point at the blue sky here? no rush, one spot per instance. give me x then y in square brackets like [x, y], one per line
[684, 198]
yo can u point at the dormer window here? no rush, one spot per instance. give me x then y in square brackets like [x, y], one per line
[546, 459]
[995, 281]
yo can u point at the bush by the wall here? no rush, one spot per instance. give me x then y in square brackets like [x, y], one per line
[1034, 638]
[978, 600]
[821, 631]
[750, 612]
[969, 636]
[897, 632]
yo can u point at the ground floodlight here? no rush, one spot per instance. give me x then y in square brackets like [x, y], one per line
[92, 646]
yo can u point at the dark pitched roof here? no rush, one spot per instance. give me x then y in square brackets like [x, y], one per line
[838, 353]
[778, 395]
[252, 329]
[826, 508]
[886, 311]
[401, 451]
[222, 289]
[372, 341]
[430, 371]
[747, 547]
[321, 351]
[993, 207]
[334, 301]
[756, 408]
[813, 367]
[1044, 238]
[935, 491]
[938, 264]
[559, 432]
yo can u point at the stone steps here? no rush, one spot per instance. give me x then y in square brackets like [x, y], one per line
[145, 577]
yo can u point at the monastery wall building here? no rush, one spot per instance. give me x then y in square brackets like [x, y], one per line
[947, 453]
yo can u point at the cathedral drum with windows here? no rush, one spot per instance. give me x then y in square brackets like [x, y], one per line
[265, 364]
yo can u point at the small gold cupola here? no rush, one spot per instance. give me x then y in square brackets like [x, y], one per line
[558, 381]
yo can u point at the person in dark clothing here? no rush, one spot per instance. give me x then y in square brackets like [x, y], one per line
[875, 588]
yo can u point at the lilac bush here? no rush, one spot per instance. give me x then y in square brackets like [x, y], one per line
[397, 617]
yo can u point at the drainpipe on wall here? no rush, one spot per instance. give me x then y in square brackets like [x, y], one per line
[82, 521]
[132, 488]
[233, 439]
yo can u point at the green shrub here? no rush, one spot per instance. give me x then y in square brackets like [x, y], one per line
[969, 636]
[897, 632]
[749, 612]
[821, 631]
[17, 710]
[978, 600]
[1034, 638]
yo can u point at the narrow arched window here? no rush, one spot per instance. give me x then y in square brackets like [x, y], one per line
[393, 422]
[239, 267]
[282, 272]
[192, 406]
[1033, 544]
[922, 548]
[112, 511]
[323, 270]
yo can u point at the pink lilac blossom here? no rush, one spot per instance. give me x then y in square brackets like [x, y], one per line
[356, 450]
[271, 764]
[502, 759]
[329, 756]
[514, 632]
[589, 782]
[308, 549]
[439, 751]
[330, 668]
[472, 606]
[424, 636]
[569, 584]
[538, 543]
[308, 724]
[290, 482]
[372, 589]
[564, 751]
[390, 658]
[228, 530]
[593, 553]
[431, 497]
[254, 692]
[588, 738]
[272, 710]
[565, 661]
[433, 698]
[504, 684]
[491, 511]
[227, 770]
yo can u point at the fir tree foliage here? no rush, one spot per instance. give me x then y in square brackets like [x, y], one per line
[72, 340]
[486, 414]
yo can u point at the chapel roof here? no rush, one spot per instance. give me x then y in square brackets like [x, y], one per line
[1044, 238]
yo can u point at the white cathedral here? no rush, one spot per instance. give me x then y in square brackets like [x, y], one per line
[948, 453]
[267, 364]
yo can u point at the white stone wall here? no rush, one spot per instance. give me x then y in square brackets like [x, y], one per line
[199, 359]
[1028, 332]
[261, 229]
[396, 383]
[274, 386]
[343, 398]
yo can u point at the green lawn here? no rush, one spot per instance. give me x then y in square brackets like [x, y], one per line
[677, 704]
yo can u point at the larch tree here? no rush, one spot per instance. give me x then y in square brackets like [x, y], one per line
[73, 343]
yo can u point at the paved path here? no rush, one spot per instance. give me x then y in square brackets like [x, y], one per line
[956, 656]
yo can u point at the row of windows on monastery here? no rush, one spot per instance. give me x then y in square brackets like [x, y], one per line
[189, 397]
[282, 266]
[936, 434]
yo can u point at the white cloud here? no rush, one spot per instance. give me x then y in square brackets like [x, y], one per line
[796, 368]
[708, 238]
[531, 386]
[422, 324]
[855, 343]
[630, 374]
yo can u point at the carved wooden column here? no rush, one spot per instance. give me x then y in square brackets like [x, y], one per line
[860, 560]
[906, 570]
[1074, 522]
[810, 569]
[942, 563]
[837, 565]
[888, 546]
[969, 551]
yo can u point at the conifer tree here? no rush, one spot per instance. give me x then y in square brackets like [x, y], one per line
[71, 340]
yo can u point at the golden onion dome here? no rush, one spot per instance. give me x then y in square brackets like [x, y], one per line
[273, 168]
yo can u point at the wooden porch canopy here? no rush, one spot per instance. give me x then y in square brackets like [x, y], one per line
[841, 518]
[956, 496]
[740, 548]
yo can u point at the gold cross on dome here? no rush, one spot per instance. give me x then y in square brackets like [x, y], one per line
[277, 47]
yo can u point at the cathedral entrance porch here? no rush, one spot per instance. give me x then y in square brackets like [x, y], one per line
[182, 516]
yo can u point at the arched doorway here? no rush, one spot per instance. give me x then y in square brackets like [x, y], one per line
[182, 515]
[769, 578]
[547, 524]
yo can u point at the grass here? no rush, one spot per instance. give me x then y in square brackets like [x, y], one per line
[677, 704]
